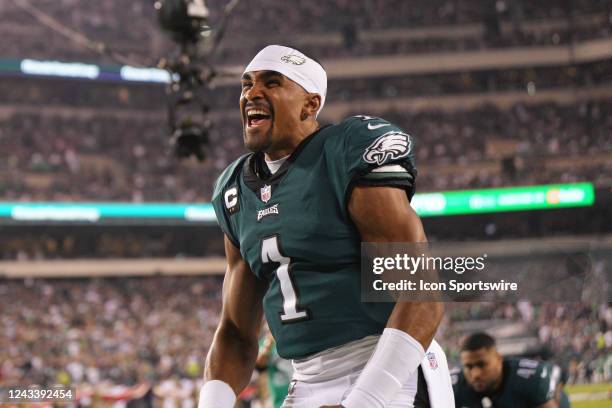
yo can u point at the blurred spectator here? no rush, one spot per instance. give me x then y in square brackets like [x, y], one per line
[121, 330]
[133, 31]
[129, 332]
[108, 159]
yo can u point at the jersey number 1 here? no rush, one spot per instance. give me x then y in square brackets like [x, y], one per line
[270, 252]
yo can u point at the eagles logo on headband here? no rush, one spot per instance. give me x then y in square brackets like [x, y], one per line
[293, 64]
[294, 59]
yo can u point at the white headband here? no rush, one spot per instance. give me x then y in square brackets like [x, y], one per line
[296, 66]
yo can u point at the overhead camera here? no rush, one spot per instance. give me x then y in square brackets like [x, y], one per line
[185, 20]
[187, 23]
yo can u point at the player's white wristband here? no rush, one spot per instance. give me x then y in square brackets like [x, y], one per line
[216, 394]
[397, 357]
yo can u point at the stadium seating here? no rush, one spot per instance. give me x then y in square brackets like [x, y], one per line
[129, 159]
[133, 330]
[133, 31]
[79, 140]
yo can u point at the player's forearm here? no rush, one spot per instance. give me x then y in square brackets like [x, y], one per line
[419, 319]
[398, 354]
[231, 358]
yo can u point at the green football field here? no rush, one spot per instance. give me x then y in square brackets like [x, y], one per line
[590, 395]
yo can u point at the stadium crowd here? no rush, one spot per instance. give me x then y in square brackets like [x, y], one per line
[133, 31]
[69, 158]
[66, 141]
[464, 83]
[155, 330]
[100, 159]
[141, 98]
[110, 331]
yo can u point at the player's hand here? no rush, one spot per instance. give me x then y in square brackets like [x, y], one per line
[268, 343]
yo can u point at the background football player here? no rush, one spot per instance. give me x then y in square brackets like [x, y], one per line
[278, 371]
[490, 380]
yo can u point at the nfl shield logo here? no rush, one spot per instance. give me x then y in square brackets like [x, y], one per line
[433, 363]
[266, 193]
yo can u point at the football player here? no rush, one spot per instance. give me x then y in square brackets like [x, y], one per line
[278, 370]
[489, 380]
[294, 212]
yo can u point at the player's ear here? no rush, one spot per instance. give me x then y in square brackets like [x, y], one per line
[312, 103]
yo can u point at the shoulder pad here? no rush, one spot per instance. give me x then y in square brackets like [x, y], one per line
[229, 174]
[380, 141]
[371, 151]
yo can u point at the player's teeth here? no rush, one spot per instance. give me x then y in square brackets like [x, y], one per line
[256, 112]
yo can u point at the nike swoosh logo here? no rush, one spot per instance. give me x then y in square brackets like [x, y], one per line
[373, 127]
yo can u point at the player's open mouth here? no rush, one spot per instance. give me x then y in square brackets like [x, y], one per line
[257, 117]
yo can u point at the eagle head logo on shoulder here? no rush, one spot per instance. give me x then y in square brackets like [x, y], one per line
[293, 59]
[390, 146]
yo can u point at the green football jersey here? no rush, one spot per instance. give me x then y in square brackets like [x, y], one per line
[294, 230]
[526, 384]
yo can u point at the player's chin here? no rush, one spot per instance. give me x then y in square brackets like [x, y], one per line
[479, 386]
[256, 140]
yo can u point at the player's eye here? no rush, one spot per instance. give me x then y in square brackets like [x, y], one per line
[246, 85]
[272, 82]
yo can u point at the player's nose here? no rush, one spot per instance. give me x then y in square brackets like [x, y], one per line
[254, 92]
[476, 373]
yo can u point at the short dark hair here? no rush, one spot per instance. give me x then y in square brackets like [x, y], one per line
[477, 341]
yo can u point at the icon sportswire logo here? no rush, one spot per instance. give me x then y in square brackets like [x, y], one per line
[390, 146]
